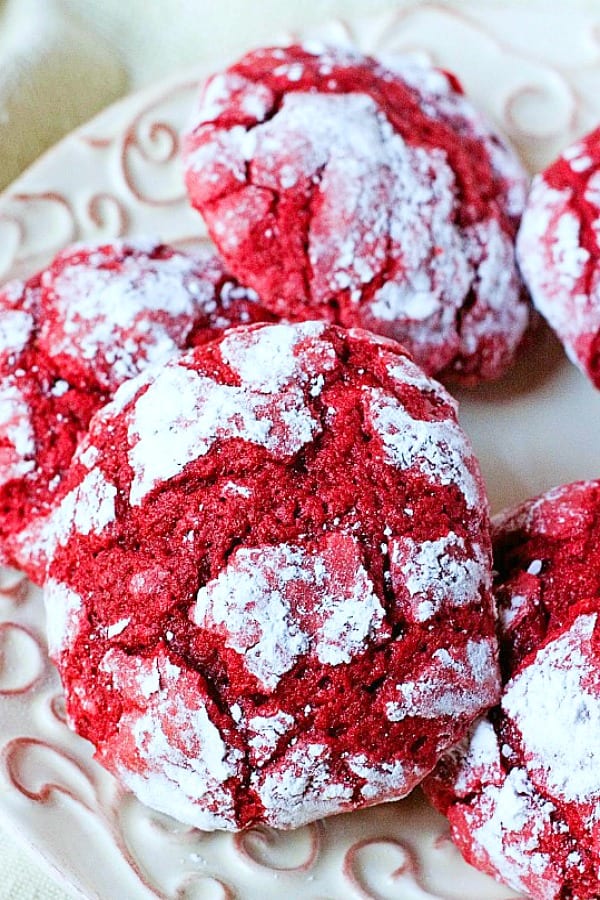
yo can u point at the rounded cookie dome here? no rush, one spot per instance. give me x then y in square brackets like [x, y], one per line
[69, 337]
[269, 600]
[370, 196]
[558, 248]
[522, 792]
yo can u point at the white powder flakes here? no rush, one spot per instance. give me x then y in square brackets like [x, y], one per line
[276, 603]
[437, 573]
[87, 509]
[129, 317]
[300, 788]
[450, 685]
[394, 302]
[491, 254]
[383, 780]
[568, 256]
[94, 503]
[478, 759]
[535, 567]
[64, 611]
[555, 704]
[516, 809]
[87, 454]
[18, 446]
[344, 612]
[437, 449]
[560, 512]
[249, 600]
[270, 358]
[60, 388]
[117, 628]
[15, 331]
[264, 734]
[405, 372]
[148, 680]
[254, 100]
[183, 413]
[185, 758]
[232, 487]
[592, 189]
[554, 262]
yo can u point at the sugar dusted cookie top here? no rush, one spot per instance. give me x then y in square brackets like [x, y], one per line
[109, 311]
[374, 197]
[68, 338]
[559, 250]
[270, 597]
[522, 793]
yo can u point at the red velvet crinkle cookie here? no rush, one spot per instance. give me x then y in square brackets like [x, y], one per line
[68, 337]
[558, 249]
[522, 793]
[341, 189]
[270, 596]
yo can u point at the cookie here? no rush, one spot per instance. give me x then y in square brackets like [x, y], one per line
[269, 599]
[69, 336]
[522, 793]
[558, 250]
[370, 196]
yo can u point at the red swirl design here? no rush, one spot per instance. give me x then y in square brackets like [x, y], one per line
[21, 659]
[154, 142]
[359, 875]
[219, 889]
[97, 209]
[267, 848]
[31, 765]
[13, 585]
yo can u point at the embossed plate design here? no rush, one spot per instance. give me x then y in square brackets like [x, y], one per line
[536, 70]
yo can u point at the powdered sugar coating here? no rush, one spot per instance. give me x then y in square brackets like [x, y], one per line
[165, 436]
[196, 761]
[63, 609]
[278, 603]
[16, 326]
[556, 707]
[448, 686]
[379, 776]
[17, 449]
[258, 566]
[68, 337]
[110, 311]
[523, 793]
[558, 248]
[434, 572]
[301, 788]
[383, 225]
[264, 734]
[437, 449]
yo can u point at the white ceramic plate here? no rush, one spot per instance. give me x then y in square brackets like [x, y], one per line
[537, 72]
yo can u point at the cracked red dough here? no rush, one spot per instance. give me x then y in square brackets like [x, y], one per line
[559, 250]
[341, 189]
[270, 598]
[68, 337]
[523, 793]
